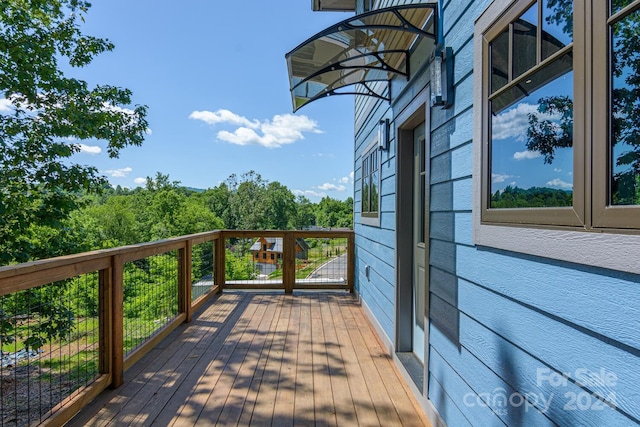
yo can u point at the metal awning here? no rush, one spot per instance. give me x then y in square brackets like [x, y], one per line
[370, 47]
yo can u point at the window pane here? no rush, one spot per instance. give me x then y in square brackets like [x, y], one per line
[625, 99]
[618, 5]
[532, 142]
[557, 26]
[374, 191]
[365, 193]
[525, 42]
[499, 48]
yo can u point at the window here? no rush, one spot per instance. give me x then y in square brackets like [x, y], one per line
[272, 256]
[264, 255]
[557, 143]
[560, 126]
[371, 185]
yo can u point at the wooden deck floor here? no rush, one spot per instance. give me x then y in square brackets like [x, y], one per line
[264, 359]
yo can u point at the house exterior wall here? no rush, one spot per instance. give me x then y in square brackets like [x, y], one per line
[513, 339]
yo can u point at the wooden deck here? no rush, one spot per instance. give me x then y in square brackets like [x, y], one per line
[264, 359]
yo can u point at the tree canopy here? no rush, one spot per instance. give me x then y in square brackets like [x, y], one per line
[43, 117]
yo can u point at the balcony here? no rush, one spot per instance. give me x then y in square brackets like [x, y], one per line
[171, 332]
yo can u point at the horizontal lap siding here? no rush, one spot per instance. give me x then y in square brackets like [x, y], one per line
[503, 325]
[375, 246]
[508, 326]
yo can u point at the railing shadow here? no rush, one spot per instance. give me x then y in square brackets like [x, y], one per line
[214, 368]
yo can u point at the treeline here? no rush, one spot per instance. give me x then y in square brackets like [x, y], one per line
[534, 197]
[163, 208]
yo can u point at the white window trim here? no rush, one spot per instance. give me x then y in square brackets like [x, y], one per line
[607, 250]
[373, 221]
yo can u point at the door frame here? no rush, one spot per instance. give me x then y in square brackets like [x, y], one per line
[416, 112]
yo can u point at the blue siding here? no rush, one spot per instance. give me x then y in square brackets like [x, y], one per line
[503, 325]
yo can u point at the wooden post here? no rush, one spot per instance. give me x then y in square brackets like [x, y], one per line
[117, 321]
[184, 280]
[351, 261]
[105, 292]
[289, 261]
[220, 262]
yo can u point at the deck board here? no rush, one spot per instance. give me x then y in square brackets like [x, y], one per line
[251, 358]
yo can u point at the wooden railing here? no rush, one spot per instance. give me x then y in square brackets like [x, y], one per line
[111, 275]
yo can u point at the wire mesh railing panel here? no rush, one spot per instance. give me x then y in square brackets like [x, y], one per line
[254, 262]
[150, 297]
[202, 256]
[321, 261]
[49, 343]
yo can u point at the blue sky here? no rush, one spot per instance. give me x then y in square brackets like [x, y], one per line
[214, 77]
[512, 163]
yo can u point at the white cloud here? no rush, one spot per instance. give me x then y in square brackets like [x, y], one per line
[560, 184]
[118, 173]
[498, 177]
[127, 111]
[526, 155]
[242, 136]
[329, 156]
[308, 193]
[332, 187]
[140, 180]
[90, 149]
[117, 109]
[513, 123]
[281, 130]
[557, 170]
[224, 116]
[346, 179]
[5, 105]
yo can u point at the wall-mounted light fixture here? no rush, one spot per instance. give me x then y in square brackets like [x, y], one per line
[442, 77]
[383, 134]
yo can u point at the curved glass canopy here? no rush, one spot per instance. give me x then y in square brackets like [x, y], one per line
[370, 47]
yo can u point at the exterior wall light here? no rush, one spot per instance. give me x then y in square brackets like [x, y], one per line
[383, 134]
[442, 77]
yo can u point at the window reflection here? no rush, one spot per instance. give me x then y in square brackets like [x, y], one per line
[557, 26]
[365, 184]
[625, 110]
[532, 144]
[525, 44]
[499, 61]
[370, 179]
[531, 128]
[618, 5]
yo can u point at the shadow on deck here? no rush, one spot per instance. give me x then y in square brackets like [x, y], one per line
[253, 358]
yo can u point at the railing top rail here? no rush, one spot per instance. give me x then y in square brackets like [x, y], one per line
[131, 250]
[281, 233]
[76, 264]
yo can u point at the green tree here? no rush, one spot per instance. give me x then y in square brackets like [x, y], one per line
[280, 207]
[247, 203]
[335, 213]
[48, 113]
[305, 216]
[217, 200]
